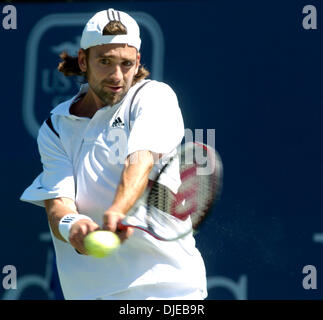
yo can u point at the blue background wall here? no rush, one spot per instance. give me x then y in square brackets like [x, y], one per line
[247, 69]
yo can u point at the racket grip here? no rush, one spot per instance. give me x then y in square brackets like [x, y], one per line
[121, 227]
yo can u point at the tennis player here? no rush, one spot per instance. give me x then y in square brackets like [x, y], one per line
[99, 150]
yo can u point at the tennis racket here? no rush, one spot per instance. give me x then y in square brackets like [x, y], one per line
[168, 215]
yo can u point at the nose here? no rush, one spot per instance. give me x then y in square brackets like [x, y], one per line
[116, 74]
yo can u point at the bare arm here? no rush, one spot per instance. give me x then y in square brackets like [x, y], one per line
[133, 182]
[56, 209]
[59, 207]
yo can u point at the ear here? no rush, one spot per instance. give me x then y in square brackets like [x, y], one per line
[82, 60]
[138, 62]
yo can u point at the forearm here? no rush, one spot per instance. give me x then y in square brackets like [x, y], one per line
[56, 209]
[133, 182]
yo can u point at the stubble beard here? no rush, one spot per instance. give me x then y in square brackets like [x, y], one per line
[108, 98]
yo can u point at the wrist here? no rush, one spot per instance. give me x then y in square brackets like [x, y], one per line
[66, 223]
[116, 210]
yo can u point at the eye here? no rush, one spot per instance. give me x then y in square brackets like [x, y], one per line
[127, 63]
[104, 61]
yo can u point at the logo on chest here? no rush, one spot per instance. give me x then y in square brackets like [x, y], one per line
[117, 123]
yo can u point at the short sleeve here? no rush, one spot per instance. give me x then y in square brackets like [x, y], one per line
[57, 179]
[157, 120]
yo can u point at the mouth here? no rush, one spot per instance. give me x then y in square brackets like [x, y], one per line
[115, 88]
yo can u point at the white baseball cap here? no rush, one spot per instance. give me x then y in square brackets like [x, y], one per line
[92, 33]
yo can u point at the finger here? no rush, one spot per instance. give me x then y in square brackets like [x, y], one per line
[110, 221]
[124, 233]
[79, 233]
[93, 227]
[129, 232]
[77, 236]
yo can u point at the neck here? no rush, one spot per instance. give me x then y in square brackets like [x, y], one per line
[87, 106]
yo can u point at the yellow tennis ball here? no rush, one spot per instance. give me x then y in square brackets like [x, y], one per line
[101, 243]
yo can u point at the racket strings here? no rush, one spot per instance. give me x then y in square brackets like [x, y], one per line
[160, 197]
[177, 214]
[205, 182]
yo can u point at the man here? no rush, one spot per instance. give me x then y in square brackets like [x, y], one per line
[117, 115]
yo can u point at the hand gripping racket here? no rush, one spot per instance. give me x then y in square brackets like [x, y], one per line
[172, 215]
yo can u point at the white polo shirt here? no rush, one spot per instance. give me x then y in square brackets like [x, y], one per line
[83, 160]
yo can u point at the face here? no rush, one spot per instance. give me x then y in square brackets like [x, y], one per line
[110, 71]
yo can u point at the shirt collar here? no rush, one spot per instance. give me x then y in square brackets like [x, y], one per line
[63, 108]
